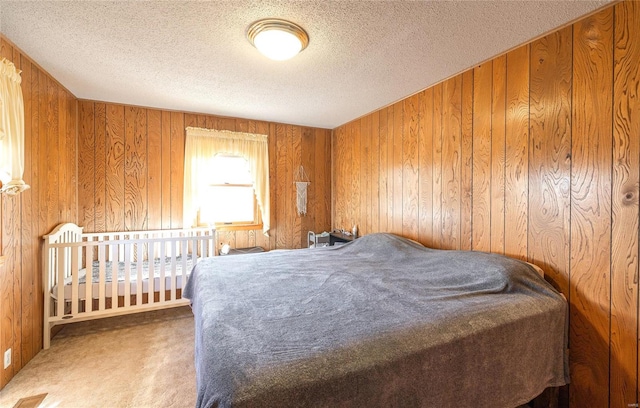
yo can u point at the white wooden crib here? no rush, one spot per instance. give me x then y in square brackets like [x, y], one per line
[151, 269]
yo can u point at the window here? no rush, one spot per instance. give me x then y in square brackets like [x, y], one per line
[230, 198]
[226, 179]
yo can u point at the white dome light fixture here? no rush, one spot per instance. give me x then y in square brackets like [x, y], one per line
[277, 39]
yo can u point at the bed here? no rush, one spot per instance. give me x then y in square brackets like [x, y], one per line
[379, 322]
[95, 275]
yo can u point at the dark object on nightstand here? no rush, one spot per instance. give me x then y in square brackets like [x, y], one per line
[339, 237]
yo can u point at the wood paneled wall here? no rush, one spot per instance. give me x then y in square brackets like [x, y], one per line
[50, 170]
[535, 154]
[131, 162]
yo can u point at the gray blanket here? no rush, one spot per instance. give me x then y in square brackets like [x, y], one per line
[379, 322]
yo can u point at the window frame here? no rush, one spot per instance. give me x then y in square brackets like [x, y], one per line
[256, 223]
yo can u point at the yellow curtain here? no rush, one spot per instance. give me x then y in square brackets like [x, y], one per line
[11, 130]
[202, 145]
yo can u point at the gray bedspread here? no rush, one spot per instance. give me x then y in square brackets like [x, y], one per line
[379, 322]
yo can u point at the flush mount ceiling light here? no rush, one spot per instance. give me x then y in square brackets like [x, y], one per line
[277, 39]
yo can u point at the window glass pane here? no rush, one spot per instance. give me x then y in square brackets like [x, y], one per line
[230, 170]
[227, 204]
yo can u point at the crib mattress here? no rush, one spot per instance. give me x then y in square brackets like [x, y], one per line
[121, 282]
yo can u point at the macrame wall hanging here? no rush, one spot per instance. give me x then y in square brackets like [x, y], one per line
[301, 190]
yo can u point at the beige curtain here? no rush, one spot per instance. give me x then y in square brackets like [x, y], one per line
[11, 130]
[202, 145]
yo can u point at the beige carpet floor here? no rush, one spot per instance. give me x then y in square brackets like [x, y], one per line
[141, 360]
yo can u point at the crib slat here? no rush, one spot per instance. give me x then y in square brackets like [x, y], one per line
[152, 272]
[127, 276]
[74, 281]
[114, 275]
[184, 271]
[101, 277]
[163, 247]
[60, 281]
[140, 281]
[173, 269]
[88, 275]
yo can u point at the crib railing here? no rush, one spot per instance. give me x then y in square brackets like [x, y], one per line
[88, 276]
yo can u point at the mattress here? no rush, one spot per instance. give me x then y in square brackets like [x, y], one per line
[378, 322]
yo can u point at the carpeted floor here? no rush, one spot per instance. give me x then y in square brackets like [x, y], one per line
[141, 360]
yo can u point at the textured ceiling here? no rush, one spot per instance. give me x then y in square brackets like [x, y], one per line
[193, 56]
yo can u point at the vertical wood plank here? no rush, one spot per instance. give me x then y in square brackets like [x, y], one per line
[390, 168]
[307, 160]
[466, 176]
[135, 169]
[100, 123]
[322, 176]
[425, 155]
[86, 165]
[296, 221]
[154, 163]
[166, 170]
[114, 183]
[34, 217]
[517, 153]
[273, 169]
[550, 159]
[282, 149]
[356, 167]
[591, 154]
[410, 159]
[483, 78]
[364, 223]
[177, 168]
[28, 251]
[438, 233]
[52, 153]
[451, 163]
[498, 116]
[625, 180]
[374, 193]
[384, 174]
[398, 117]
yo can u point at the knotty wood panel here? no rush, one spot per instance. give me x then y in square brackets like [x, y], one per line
[114, 180]
[135, 169]
[438, 233]
[425, 168]
[498, 121]
[451, 162]
[385, 182]
[550, 154]
[481, 237]
[555, 170]
[154, 163]
[517, 153]
[624, 198]
[590, 206]
[466, 176]
[50, 170]
[410, 188]
[365, 174]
